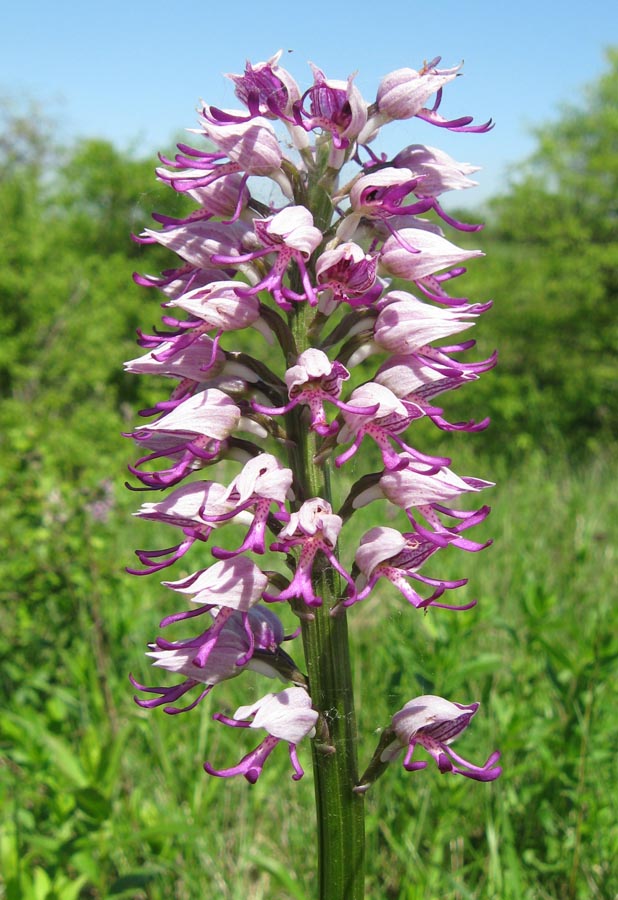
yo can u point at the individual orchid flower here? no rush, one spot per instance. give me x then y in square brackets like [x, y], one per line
[406, 324]
[381, 416]
[426, 490]
[387, 553]
[222, 663]
[422, 487]
[286, 716]
[188, 363]
[292, 235]
[184, 508]
[416, 485]
[311, 381]
[198, 242]
[232, 585]
[416, 383]
[262, 482]
[313, 528]
[414, 253]
[334, 106]
[432, 723]
[436, 171]
[251, 148]
[380, 195]
[266, 89]
[193, 431]
[226, 197]
[217, 304]
[404, 92]
[348, 274]
[185, 363]
[213, 307]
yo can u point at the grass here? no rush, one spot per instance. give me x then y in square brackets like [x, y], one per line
[101, 799]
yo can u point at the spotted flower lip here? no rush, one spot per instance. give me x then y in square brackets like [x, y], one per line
[286, 716]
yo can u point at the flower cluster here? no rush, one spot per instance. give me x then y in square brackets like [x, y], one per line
[299, 237]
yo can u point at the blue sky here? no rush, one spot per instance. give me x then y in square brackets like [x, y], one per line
[134, 71]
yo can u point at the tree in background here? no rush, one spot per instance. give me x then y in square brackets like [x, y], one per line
[558, 253]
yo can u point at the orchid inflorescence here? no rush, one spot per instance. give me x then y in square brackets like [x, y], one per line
[301, 241]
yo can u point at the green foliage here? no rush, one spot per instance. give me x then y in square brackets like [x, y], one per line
[102, 799]
[552, 263]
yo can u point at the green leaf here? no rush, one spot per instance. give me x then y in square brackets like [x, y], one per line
[281, 874]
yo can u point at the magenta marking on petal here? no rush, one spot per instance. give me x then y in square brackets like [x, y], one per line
[175, 710]
[180, 617]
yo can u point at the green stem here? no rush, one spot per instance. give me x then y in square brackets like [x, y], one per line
[340, 812]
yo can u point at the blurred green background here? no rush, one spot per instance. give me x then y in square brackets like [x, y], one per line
[100, 799]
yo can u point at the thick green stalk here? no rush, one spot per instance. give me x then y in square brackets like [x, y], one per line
[340, 812]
